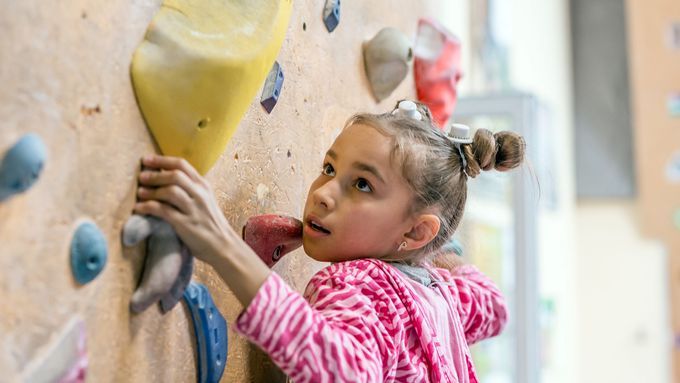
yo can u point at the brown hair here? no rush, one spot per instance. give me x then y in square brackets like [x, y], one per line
[433, 167]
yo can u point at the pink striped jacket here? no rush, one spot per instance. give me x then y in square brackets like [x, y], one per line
[365, 321]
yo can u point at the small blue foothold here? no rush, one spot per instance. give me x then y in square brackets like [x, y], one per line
[454, 246]
[331, 14]
[21, 166]
[210, 329]
[272, 87]
[88, 253]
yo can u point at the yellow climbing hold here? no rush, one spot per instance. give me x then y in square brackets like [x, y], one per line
[199, 67]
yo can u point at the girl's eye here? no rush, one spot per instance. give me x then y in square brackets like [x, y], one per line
[363, 185]
[328, 170]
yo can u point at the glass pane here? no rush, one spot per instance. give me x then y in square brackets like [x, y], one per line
[487, 234]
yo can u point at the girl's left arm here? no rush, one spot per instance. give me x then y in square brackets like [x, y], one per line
[480, 303]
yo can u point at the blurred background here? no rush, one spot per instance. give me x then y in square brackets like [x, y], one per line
[585, 240]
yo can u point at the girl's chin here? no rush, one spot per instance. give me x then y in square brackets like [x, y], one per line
[316, 253]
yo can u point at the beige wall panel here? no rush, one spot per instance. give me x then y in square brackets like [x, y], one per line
[64, 70]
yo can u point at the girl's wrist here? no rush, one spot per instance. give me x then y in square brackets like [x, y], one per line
[240, 268]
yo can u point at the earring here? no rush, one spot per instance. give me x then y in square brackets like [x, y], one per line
[402, 246]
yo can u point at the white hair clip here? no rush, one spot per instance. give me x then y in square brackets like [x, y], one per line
[460, 134]
[408, 109]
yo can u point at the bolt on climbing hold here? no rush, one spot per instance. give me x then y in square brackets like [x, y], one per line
[436, 69]
[195, 76]
[66, 358]
[453, 246]
[331, 14]
[210, 329]
[271, 236]
[386, 61]
[272, 87]
[22, 165]
[168, 264]
[88, 252]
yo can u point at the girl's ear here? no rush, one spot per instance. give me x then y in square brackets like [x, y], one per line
[424, 229]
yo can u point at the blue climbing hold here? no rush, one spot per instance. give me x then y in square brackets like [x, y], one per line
[21, 166]
[88, 253]
[272, 87]
[211, 333]
[453, 246]
[331, 14]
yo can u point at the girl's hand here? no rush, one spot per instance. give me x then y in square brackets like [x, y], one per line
[170, 188]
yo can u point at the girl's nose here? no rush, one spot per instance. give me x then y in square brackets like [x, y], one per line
[324, 195]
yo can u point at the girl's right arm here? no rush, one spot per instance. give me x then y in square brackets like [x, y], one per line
[340, 338]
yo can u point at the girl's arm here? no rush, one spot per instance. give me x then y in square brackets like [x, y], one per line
[341, 338]
[480, 303]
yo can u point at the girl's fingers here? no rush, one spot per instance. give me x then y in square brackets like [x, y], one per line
[172, 163]
[158, 209]
[166, 178]
[173, 195]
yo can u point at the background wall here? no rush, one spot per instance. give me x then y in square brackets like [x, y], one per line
[64, 71]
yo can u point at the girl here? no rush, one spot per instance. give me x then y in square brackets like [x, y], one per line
[391, 192]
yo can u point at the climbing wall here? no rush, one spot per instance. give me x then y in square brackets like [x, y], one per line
[654, 45]
[65, 75]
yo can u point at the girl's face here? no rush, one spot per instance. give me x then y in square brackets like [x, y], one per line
[358, 206]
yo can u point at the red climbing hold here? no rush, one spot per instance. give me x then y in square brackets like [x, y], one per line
[437, 69]
[272, 236]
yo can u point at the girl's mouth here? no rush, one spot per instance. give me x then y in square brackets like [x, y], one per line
[315, 226]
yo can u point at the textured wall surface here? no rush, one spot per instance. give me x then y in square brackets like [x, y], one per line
[64, 70]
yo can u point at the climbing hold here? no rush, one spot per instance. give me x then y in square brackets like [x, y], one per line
[673, 168]
[437, 69]
[66, 359]
[386, 60]
[21, 165]
[137, 228]
[453, 246]
[168, 265]
[173, 296]
[331, 14]
[272, 236]
[210, 329]
[200, 66]
[88, 252]
[272, 88]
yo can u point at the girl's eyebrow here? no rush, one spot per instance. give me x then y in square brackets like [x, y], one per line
[359, 165]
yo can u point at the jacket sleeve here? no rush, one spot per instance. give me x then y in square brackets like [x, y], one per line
[338, 336]
[480, 303]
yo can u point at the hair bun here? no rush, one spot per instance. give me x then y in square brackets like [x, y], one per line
[501, 151]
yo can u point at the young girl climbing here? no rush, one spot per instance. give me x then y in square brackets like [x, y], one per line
[391, 192]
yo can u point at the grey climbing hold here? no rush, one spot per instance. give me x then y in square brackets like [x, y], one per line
[172, 297]
[331, 14]
[386, 60]
[21, 165]
[88, 252]
[272, 87]
[168, 265]
[138, 227]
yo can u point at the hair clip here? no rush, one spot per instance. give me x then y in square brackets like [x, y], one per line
[408, 109]
[460, 134]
